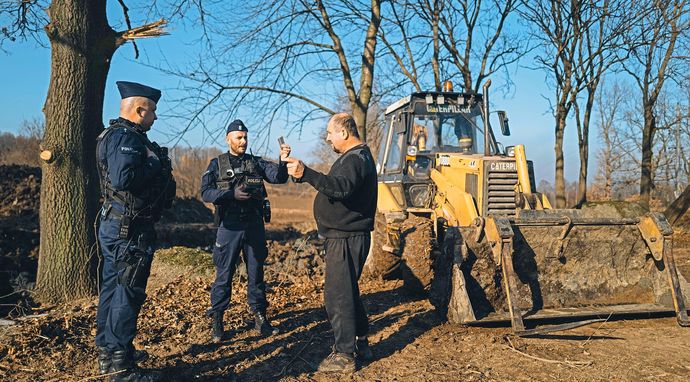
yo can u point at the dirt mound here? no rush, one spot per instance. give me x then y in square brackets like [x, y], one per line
[418, 244]
[295, 257]
[20, 189]
[187, 210]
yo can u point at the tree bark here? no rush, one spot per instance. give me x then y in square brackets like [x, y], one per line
[560, 174]
[646, 177]
[361, 105]
[82, 45]
[583, 143]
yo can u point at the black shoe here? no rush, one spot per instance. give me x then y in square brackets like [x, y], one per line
[105, 358]
[140, 356]
[262, 325]
[217, 331]
[362, 349]
[338, 363]
[123, 369]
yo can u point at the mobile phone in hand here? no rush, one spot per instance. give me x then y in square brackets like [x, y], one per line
[281, 141]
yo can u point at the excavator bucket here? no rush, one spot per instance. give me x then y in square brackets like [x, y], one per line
[558, 264]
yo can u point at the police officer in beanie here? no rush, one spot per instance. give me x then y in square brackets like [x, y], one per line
[136, 185]
[233, 182]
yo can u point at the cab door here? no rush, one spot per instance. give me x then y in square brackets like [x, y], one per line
[391, 197]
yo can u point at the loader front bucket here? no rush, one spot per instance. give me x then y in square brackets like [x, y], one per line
[560, 264]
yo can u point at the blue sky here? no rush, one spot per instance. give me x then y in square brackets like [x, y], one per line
[25, 75]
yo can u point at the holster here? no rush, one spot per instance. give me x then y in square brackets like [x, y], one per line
[134, 268]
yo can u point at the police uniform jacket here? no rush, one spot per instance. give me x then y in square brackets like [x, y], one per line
[123, 151]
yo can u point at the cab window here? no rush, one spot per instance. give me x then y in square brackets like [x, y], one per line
[396, 140]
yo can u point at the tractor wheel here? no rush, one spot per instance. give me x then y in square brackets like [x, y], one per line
[380, 263]
[419, 248]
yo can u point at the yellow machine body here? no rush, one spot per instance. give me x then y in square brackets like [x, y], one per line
[503, 252]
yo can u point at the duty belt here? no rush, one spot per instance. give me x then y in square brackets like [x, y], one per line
[241, 213]
[142, 216]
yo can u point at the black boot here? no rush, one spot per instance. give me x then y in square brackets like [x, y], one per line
[123, 369]
[262, 325]
[362, 349]
[104, 360]
[217, 331]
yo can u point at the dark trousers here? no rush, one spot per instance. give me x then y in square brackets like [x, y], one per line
[345, 259]
[120, 300]
[249, 237]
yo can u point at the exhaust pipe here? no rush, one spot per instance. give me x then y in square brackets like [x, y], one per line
[485, 106]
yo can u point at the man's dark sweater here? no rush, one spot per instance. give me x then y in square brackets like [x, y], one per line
[346, 201]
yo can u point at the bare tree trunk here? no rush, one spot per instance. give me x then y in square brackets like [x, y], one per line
[82, 45]
[606, 169]
[560, 174]
[435, 66]
[582, 179]
[646, 177]
[583, 143]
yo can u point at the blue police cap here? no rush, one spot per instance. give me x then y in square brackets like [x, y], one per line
[236, 125]
[132, 89]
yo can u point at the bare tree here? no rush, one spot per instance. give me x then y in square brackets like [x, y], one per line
[609, 103]
[427, 39]
[655, 56]
[188, 164]
[556, 27]
[291, 59]
[603, 25]
[410, 34]
[23, 148]
[578, 43]
[82, 45]
[473, 34]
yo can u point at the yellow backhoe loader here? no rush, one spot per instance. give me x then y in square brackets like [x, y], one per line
[459, 214]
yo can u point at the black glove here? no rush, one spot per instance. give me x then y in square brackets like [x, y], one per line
[240, 194]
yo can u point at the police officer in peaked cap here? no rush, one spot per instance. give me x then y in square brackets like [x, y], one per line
[136, 185]
[233, 182]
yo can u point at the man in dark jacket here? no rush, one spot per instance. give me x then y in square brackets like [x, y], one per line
[136, 183]
[344, 210]
[233, 182]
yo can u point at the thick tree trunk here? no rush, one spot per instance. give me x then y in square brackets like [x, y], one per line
[360, 107]
[646, 176]
[560, 174]
[582, 181]
[584, 148]
[82, 45]
[359, 113]
[435, 66]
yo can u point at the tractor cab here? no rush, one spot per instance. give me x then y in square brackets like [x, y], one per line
[419, 128]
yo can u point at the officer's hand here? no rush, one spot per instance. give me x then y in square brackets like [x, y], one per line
[240, 194]
[295, 167]
[285, 150]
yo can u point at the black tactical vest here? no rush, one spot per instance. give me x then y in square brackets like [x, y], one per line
[235, 172]
[133, 203]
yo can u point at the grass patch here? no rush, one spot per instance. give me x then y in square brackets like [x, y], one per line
[192, 257]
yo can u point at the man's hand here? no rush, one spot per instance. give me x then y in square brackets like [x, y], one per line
[240, 194]
[285, 150]
[295, 167]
